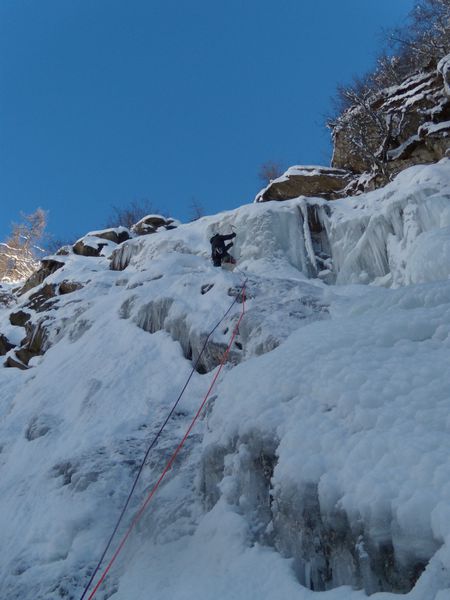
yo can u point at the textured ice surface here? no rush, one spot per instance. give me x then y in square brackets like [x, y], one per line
[388, 235]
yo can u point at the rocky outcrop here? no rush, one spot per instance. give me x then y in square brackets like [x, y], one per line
[43, 298]
[153, 223]
[114, 234]
[19, 318]
[92, 243]
[89, 246]
[34, 344]
[36, 340]
[402, 125]
[48, 267]
[382, 134]
[322, 182]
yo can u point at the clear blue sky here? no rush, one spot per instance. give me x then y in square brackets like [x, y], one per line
[107, 101]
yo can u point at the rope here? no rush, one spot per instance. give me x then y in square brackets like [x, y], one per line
[174, 455]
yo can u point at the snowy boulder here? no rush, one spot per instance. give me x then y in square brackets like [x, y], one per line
[153, 223]
[322, 182]
[67, 287]
[92, 245]
[19, 318]
[114, 234]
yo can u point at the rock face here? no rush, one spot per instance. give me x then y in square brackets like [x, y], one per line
[42, 299]
[323, 182]
[101, 243]
[387, 132]
[416, 114]
[35, 343]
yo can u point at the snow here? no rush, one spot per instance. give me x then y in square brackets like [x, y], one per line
[412, 141]
[409, 86]
[372, 413]
[430, 128]
[330, 419]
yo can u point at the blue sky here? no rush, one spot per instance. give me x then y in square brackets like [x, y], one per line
[103, 102]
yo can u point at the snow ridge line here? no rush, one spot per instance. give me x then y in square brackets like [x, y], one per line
[169, 464]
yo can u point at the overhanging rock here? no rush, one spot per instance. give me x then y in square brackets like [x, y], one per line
[322, 182]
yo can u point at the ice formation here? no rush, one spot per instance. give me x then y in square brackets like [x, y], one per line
[321, 468]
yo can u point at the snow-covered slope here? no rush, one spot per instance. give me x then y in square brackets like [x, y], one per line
[323, 459]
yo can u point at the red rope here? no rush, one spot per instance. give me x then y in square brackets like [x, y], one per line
[169, 464]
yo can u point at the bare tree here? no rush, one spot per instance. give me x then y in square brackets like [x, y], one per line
[197, 210]
[19, 254]
[269, 171]
[129, 215]
[425, 37]
[368, 130]
[52, 244]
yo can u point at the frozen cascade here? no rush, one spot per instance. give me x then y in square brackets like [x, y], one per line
[388, 237]
[322, 461]
[155, 316]
[326, 549]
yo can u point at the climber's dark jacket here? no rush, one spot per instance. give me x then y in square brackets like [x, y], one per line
[219, 250]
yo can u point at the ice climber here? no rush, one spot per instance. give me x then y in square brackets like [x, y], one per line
[219, 250]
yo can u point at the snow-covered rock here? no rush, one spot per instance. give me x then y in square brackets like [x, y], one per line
[417, 111]
[92, 245]
[323, 182]
[154, 223]
[113, 234]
